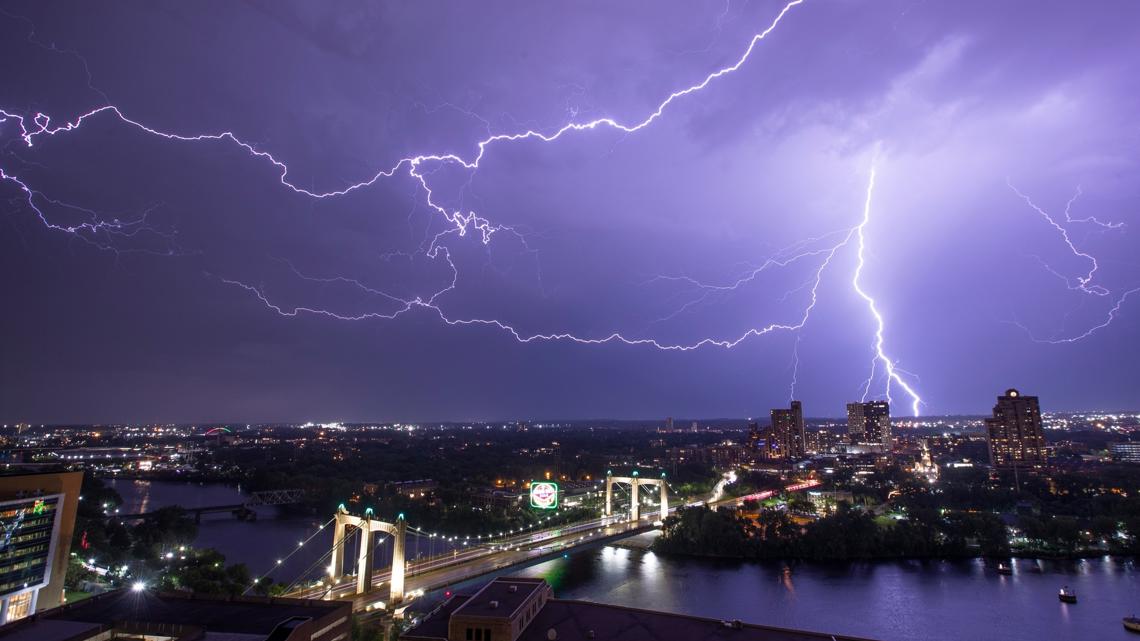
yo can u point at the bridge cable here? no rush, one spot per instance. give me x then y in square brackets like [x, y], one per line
[282, 560]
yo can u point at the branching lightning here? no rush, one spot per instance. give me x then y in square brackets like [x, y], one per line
[463, 221]
[1082, 283]
[880, 326]
[419, 167]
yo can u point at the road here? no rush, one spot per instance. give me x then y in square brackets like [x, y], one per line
[465, 563]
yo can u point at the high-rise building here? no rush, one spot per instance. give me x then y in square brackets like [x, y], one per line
[788, 429]
[669, 424]
[37, 512]
[869, 423]
[1014, 434]
[762, 442]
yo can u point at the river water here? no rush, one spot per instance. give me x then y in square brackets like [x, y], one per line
[259, 543]
[892, 601]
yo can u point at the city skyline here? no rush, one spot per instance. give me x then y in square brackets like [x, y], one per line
[703, 422]
[705, 212]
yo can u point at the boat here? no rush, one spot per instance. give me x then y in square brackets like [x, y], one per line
[1004, 569]
[1132, 623]
[1066, 595]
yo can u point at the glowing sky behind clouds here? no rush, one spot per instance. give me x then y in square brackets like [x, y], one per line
[953, 102]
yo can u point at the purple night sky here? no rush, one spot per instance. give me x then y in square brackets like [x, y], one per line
[150, 278]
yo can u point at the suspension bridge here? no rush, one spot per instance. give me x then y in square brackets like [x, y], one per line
[628, 511]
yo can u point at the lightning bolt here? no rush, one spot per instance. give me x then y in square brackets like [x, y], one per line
[795, 368]
[99, 233]
[463, 221]
[419, 168]
[1083, 282]
[1087, 219]
[893, 373]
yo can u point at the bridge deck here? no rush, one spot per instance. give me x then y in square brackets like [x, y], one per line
[521, 551]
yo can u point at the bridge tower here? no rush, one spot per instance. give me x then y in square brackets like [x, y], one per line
[635, 482]
[367, 526]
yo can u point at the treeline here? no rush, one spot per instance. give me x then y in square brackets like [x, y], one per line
[847, 534]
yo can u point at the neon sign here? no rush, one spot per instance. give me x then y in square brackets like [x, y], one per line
[544, 495]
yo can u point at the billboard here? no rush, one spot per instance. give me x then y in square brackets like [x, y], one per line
[544, 495]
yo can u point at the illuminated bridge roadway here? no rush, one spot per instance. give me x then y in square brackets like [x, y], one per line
[521, 550]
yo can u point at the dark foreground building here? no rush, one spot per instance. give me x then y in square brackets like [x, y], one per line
[523, 609]
[1015, 434]
[37, 520]
[128, 614]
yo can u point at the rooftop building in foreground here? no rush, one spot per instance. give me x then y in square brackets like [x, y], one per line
[524, 609]
[131, 614]
[37, 512]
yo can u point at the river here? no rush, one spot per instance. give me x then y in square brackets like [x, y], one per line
[891, 601]
[259, 543]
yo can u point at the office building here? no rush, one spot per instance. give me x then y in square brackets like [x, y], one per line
[37, 512]
[1014, 434]
[869, 423]
[788, 430]
[524, 609]
[144, 615]
[1127, 452]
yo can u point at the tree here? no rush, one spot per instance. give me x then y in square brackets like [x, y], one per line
[205, 572]
[703, 531]
[164, 528]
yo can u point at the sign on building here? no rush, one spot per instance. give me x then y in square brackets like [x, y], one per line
[544, 495]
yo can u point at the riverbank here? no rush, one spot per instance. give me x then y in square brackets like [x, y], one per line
[854, 534]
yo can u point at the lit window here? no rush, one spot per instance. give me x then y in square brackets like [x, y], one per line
[19, 606]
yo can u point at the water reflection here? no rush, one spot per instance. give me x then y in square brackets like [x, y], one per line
[257, 543]
[892, 601]
[935, 600]
[786, 580]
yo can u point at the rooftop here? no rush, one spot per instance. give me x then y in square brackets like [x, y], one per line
[434, 625]
[583, 621]
[576, 620]
[501, 597]
[221, 618]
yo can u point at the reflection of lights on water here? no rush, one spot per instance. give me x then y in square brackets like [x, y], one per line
[650, 567]
[786, 580]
